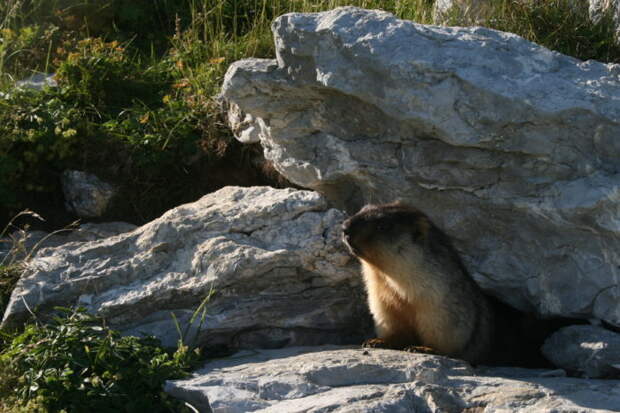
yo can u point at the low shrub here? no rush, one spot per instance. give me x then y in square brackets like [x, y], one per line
[77, 364]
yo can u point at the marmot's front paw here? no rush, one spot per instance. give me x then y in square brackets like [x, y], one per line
[375, 343]
[420, 349]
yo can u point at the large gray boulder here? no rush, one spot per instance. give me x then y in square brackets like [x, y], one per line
[511, 148]
[332, 379]
[273, 258]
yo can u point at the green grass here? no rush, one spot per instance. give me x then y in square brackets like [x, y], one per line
[558, 26]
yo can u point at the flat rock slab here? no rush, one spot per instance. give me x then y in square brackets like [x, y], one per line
[274, 259]
[510, 148]
[339, 379]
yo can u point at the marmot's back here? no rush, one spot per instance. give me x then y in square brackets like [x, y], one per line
[419, 292]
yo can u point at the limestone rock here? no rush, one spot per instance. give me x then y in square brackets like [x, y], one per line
[21, 244]
[242, 125]
[509, 147]
[332, 379]
[274, 258]
[590, 350]
[85, 194]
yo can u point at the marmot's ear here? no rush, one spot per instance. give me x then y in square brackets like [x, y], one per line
[399, 202]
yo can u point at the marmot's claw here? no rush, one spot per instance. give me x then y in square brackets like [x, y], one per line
[375, 343]
[420, 349]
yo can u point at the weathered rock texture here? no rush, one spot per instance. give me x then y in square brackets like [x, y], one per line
[589, 350]
[348, 380]
[511, 148]
[22, 244]
[273, 257]
[85, 194]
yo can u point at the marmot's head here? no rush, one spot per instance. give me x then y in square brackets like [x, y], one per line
[384, 234]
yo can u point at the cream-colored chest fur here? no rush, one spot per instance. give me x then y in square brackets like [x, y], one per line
[412, 304]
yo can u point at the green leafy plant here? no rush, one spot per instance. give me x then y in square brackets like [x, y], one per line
[77, 364]
[108, 77]
[39, 131]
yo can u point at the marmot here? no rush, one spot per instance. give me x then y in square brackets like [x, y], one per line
[421, 295]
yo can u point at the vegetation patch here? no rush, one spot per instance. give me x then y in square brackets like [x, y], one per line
[9, 275]
[559, 25]
[77, 364]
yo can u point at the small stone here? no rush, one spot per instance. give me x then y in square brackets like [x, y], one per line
[86, 195]
[589, 350]
[38, 81]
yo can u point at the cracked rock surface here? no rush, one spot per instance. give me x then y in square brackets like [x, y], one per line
[512, 149]
[273, 257]
[337, 379]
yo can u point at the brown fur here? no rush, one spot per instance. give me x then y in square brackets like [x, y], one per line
[418, 290]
